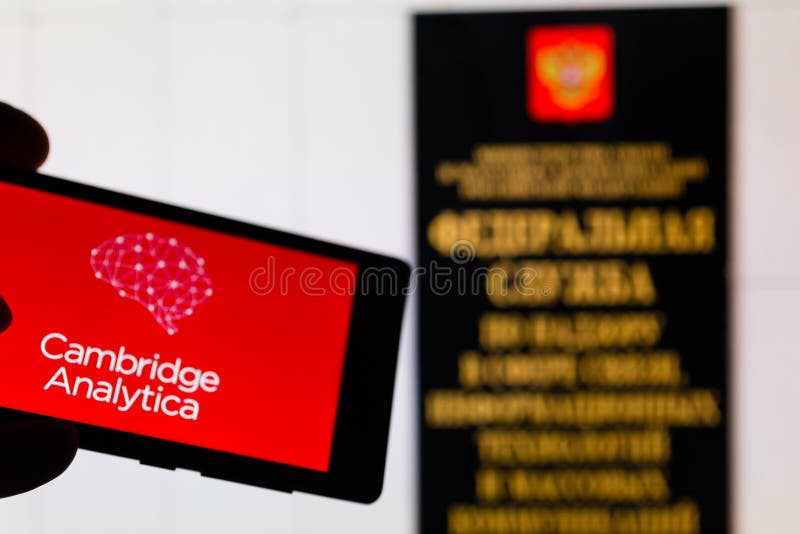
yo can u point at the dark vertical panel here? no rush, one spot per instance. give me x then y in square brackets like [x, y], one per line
[670, 73]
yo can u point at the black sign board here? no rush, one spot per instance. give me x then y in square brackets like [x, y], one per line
[572, 234]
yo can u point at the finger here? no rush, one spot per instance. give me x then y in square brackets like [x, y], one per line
[23, 141]
[5, 315]
[34, 452]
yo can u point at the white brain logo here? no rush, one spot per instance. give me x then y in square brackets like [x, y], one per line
[162, 274]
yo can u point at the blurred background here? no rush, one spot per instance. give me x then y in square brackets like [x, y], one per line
[298, 115]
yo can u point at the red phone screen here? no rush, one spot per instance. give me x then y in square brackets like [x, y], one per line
[134, 323]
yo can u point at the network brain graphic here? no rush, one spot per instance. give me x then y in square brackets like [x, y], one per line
[162, 274]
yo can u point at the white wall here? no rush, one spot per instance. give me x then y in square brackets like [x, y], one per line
[297, 115]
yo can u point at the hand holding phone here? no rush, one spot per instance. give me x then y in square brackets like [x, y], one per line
[34, 451]
[187, 340]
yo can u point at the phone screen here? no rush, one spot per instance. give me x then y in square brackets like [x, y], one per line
[138, 324]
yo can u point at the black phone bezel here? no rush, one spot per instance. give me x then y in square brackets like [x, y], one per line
[358, 452]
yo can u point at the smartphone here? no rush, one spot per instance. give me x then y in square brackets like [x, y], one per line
[187, 340]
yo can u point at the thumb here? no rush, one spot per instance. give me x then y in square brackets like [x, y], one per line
[5, 315]
[32, 452]
[23, 141]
